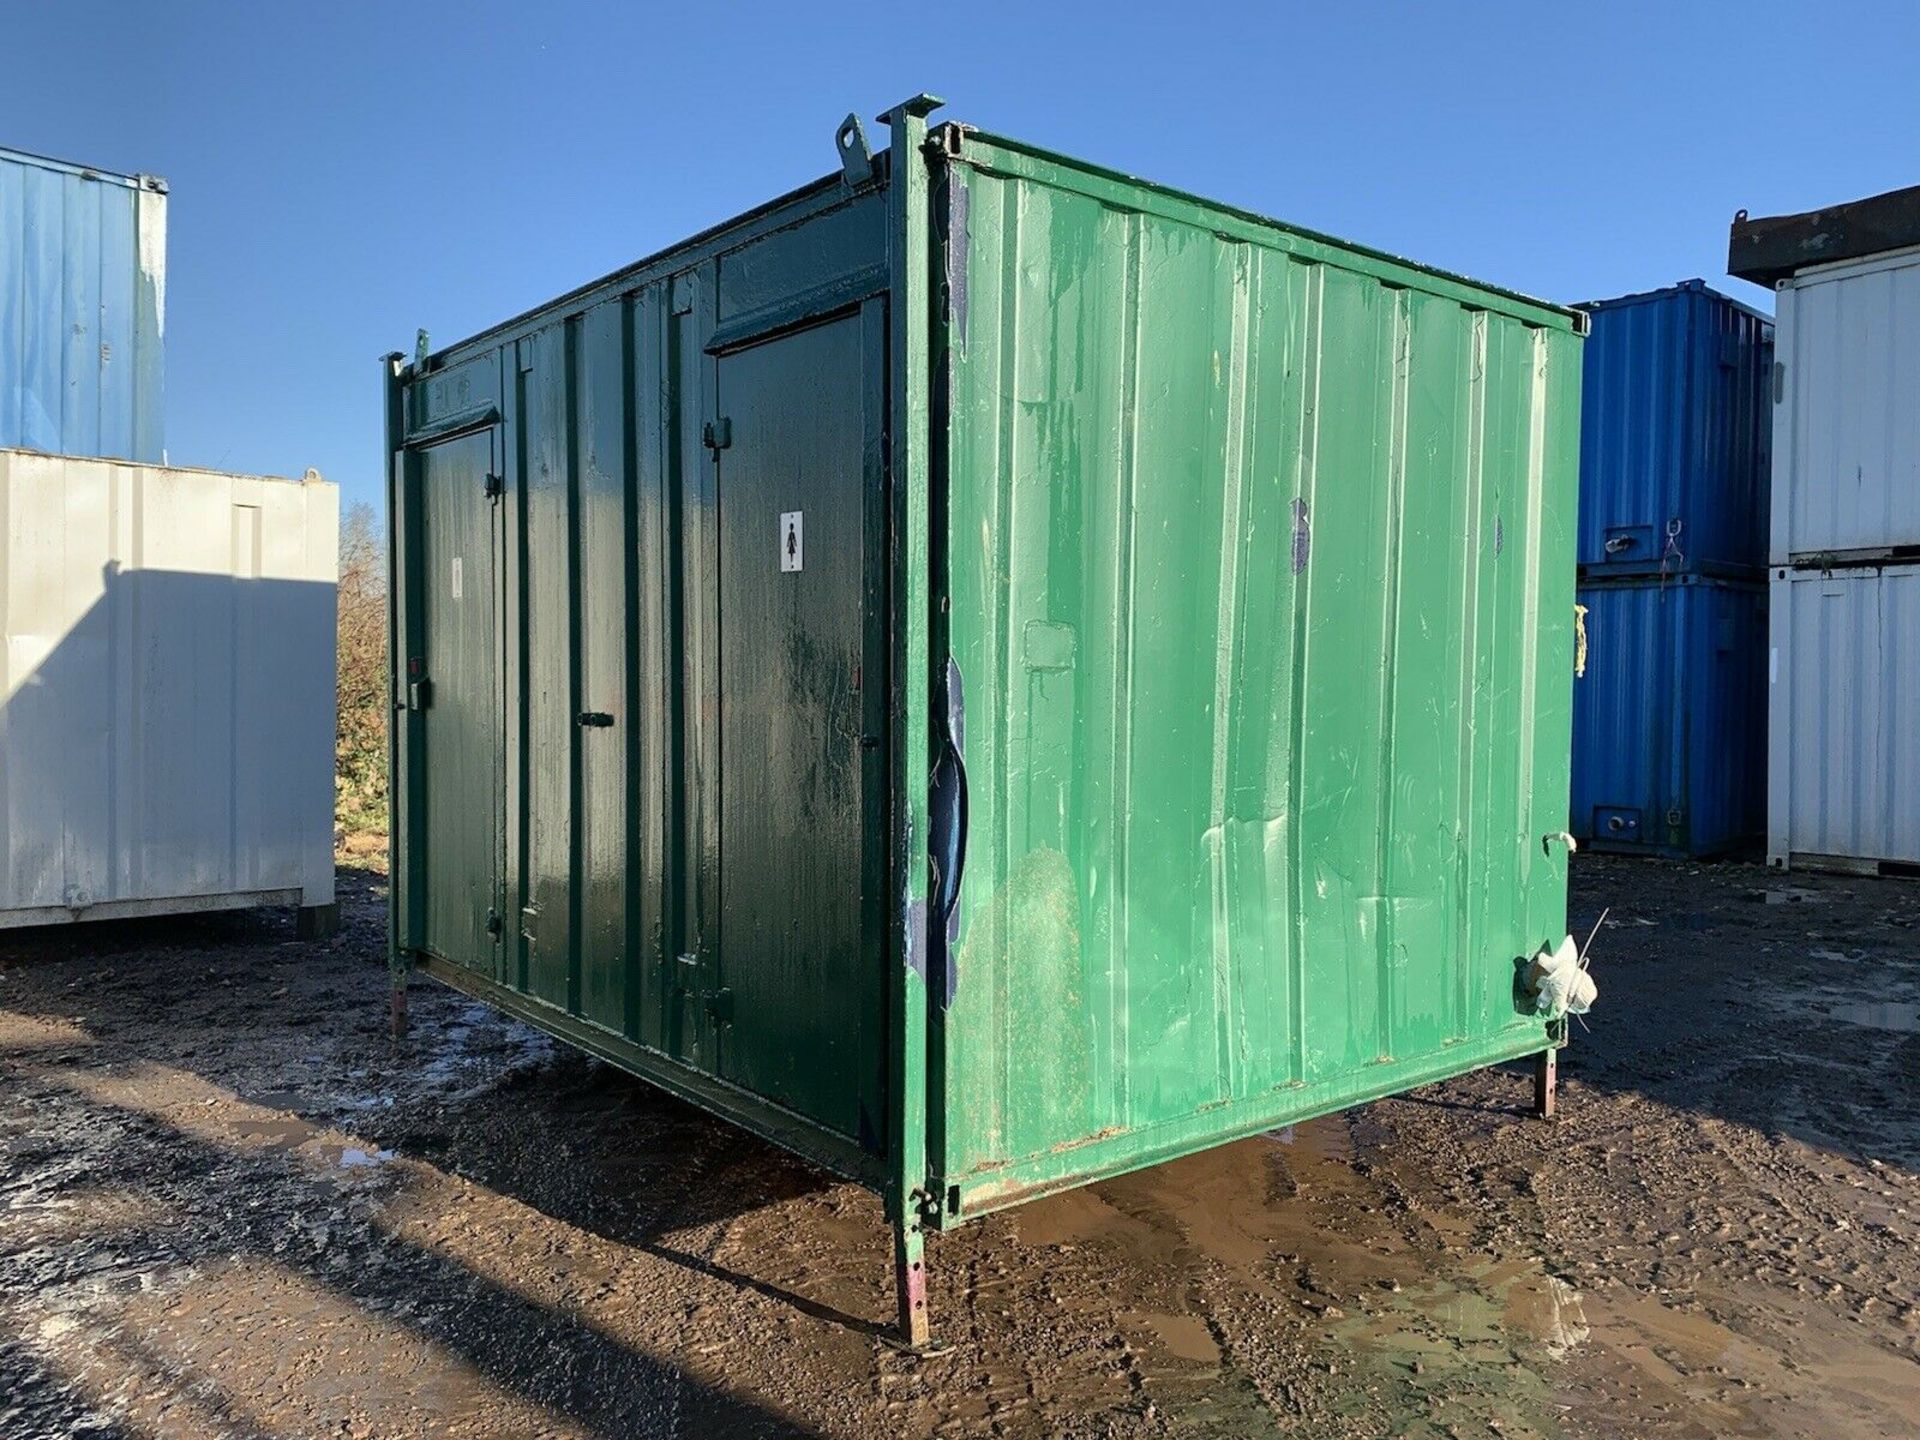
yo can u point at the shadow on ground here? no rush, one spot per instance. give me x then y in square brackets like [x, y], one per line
[1785, 1002]
[232, 1205]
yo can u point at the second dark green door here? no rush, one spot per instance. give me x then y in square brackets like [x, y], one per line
[802, 705]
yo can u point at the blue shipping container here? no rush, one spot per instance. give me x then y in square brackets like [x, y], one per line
[1669, 720]
[1675, 435]
[83, 267]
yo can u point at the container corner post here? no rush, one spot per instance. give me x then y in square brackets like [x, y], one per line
[909, 463]
[910, 1282]
[397, 1005]
[1546, 1081]
[317, 922]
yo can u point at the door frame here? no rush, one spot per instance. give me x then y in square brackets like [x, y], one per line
[407, 771]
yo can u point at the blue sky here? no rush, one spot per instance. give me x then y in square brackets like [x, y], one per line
[343, 174]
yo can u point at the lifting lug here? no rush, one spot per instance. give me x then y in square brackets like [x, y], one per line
[856, 156]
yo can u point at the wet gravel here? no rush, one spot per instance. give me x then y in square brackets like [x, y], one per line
[231, 1205]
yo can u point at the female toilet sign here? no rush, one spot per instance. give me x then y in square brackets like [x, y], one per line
[792, 548]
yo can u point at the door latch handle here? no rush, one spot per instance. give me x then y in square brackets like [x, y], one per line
[597, 719]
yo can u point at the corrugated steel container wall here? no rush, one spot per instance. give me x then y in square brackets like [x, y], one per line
[1674, 434]
[583, 874]
[1846, 437]
[1241, 592]
[1261, 562]
[1669, 721]
[167, 689]
[1843, 774]
[83, 297]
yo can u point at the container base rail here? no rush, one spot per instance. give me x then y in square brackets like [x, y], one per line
[1849, 865]
[311, 922]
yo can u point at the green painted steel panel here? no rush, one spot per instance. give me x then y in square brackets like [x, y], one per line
[1164, 738]
[1262, 600]
[687, 858]
[800, 961]
[460, 744]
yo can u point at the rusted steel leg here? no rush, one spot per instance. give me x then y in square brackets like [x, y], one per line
[910, 1282]
[1546, 1081]
[398, 1019]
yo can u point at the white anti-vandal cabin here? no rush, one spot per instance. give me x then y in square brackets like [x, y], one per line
[167, 691]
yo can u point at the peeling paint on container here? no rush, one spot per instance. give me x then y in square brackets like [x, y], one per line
[83, 298]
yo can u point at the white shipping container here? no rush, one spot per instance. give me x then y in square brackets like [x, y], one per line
[167, 691]
[1846, 419]
[1843, 723]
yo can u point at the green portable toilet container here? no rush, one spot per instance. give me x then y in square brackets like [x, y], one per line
[990, 673]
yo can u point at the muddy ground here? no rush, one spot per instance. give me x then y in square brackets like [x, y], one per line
[229, 1205]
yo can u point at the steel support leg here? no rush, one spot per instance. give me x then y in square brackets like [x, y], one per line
[398, 1018]
[910, 1282]
[316, 922]
[1546, 1081]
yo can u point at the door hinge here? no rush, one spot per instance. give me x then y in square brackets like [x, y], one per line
[419, 694]
[496, 486]
[595, 718]
[718, 434]
[494, 925]
[719, 1005]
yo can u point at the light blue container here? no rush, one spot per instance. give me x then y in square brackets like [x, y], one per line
[83, 265]
[1674, 435]
[1669, 720]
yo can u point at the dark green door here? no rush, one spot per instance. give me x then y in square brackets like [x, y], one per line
[460, 749]
[802, 691]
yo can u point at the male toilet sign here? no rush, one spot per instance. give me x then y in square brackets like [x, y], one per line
[792, 548]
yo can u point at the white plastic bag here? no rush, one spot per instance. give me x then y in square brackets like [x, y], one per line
[1560, 986]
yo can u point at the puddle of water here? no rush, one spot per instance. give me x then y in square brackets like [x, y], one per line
[1552, 1314]
[1186, 1337]
[354, 1158]
[1326, 1139]
[1898, 1015]
[474, 1052]
[276, 1133]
